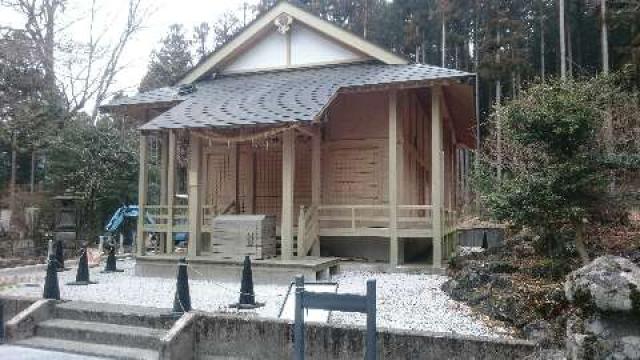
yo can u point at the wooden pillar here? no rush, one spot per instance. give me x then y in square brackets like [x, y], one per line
[288, 177]
[393, 179]
[171, 190]
[164, 158]
[143, 182]
[316, 180]
[437, 172]
[195, 203]
[251, 182]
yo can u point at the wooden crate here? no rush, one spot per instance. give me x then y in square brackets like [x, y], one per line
[235, 236]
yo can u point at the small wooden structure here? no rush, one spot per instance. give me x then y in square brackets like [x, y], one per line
[298, 119]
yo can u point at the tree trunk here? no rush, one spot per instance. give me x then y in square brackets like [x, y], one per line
[498, 104]
[32, 180]
[12, 181]
[444, 39]
[569, 50]
[604, 37]
[563, 46]
[580, 247]
[542, 60]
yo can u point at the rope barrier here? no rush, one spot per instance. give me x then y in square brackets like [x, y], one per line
[226, 288]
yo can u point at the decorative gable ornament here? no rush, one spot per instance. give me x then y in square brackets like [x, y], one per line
[283, 23]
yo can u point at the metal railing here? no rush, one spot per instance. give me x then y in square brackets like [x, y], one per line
[335, 302]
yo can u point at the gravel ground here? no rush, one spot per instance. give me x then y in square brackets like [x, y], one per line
[405, 301]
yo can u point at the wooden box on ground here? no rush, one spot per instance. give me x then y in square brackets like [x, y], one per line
[235, 236]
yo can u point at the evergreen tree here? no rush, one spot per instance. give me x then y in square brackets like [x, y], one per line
[170, 62]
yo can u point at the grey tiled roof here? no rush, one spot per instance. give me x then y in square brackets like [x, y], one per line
[283, 96]
[164, 94]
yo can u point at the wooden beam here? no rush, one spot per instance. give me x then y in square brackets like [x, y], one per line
[164, 158]
[393, 178]
[316, 180]
[437, 174]
[171, 190]
[143, 182]
[195, 203]
[288, 179]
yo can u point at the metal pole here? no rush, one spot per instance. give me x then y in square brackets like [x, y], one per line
[298, 335]
[371, 348]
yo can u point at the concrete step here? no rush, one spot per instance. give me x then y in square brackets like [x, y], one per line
[99, 350]
[116, 314]
[101, 333]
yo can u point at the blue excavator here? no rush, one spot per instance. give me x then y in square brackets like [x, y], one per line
[133, 211]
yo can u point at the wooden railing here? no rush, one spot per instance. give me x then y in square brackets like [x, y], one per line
[308, 229]
[159, 216]
[359, 216]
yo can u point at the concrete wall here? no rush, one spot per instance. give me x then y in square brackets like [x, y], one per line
[237, 337]
[12, 305]
[473, 237]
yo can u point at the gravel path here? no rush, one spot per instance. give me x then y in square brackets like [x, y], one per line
[405, 301]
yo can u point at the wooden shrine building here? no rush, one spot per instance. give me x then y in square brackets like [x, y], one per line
[355, 151]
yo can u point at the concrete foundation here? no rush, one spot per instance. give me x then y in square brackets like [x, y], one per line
[473, 236]
[270, 271]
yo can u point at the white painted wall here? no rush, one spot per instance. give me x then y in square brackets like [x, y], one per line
[268, 52]
[308, 48]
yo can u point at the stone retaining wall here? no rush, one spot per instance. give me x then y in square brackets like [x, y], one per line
[237, 337]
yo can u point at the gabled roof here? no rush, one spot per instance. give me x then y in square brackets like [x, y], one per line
[265, 22]
[287, 95]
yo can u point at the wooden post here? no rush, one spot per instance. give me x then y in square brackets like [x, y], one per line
[251, 174]
[393, 178]
[164, 158]
[316, 182]
[142, 196]
[171, 179]
[437, 172]
[195, 207]
[288, 177]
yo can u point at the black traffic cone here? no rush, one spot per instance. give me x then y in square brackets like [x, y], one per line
[60, 256]
[110, 266]
[182, 300]
[82, 276]
[51, 288]
[247, 296]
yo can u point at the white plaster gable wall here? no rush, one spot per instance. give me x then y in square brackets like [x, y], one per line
[268, 52]
[308, 48]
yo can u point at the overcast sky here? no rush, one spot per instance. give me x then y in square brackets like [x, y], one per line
[112, 14]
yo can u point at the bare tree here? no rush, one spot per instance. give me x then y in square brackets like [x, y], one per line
[85, 70]
[100, 62]
[201, 40]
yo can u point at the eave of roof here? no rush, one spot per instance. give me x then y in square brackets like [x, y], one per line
[287, 96]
